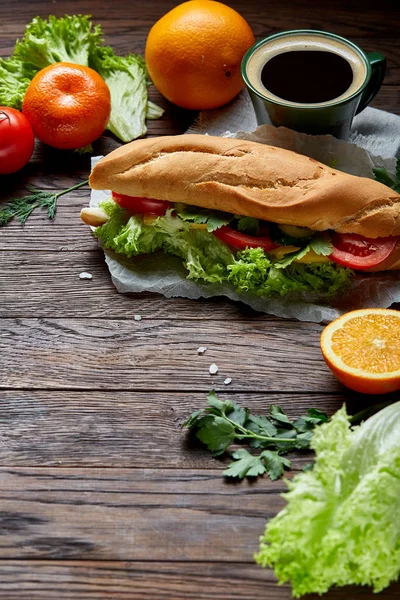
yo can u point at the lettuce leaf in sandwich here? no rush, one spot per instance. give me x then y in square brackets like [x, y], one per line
[208, 259]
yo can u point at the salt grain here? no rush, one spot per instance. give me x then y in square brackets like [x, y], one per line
[228, 380]
[213, 369]
[201, 350]
[137, 318]
[85, 275]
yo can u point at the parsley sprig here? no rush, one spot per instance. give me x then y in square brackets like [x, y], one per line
[194, 214]
[21, 208]
[383, 176]
[223, 422]
[320, 245]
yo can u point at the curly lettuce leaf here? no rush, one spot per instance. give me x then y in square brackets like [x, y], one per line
[127, 234]
[109, 231]
[73, 39]
[127, 79]
[15, 76]
[65, 39]
[254, 272]
[340, 525]
[207, 259]
[136, 238]
[203, 255]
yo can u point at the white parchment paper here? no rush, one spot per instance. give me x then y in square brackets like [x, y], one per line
[373, 290]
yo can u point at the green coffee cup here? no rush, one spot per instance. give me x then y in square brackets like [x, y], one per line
[311, 81]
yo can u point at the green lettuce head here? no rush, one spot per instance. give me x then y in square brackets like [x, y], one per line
[341, 524]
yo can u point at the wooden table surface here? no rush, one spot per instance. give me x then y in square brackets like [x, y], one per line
[101, 495]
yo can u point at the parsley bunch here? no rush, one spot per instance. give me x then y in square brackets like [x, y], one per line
[222, 423]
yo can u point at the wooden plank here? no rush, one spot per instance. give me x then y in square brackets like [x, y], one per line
[132, 514]
[42, 580]
[47, 284]
[345, 18]
[388, 99]
[127, 429]
[154, 354]
[65, 233]
[45, 580]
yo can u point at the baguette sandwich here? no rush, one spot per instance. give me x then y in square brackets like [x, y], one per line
[267, 221]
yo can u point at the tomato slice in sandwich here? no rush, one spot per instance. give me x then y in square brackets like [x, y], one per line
[142, 206]
[357, 252]
[240, 240]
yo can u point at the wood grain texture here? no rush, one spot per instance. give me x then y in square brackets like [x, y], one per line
[91, 580]
[128, 429]
[101, 493]
[388, 99]
[359, 18]
[65, 233]
[132, 514]
[41, 284]
[48, 285]
[149, 355]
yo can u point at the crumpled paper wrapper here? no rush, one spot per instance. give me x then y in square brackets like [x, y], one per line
[373, 290]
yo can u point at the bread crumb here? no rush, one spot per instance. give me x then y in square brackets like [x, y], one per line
[85, 275]
[213, 369]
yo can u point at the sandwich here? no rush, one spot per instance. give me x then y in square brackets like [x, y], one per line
[265, 220]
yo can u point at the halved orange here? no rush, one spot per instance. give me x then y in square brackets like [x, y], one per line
[362, 349]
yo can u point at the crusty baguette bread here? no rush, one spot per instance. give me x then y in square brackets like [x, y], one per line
[250, 179]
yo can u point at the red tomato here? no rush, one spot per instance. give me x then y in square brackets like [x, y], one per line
[142, 206]
[240, 240]
[357, 252]
[16, 140]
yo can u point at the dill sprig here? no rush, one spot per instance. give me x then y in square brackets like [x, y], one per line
[21, 208]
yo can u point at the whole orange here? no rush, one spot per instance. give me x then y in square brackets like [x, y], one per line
[67, 105]
[194, 52]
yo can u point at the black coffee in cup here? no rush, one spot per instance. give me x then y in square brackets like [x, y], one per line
[306, 69]
[307, 76]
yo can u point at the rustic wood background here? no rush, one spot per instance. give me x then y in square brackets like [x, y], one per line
[101, 494]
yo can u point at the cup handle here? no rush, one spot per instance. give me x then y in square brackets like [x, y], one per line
[378, 68]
